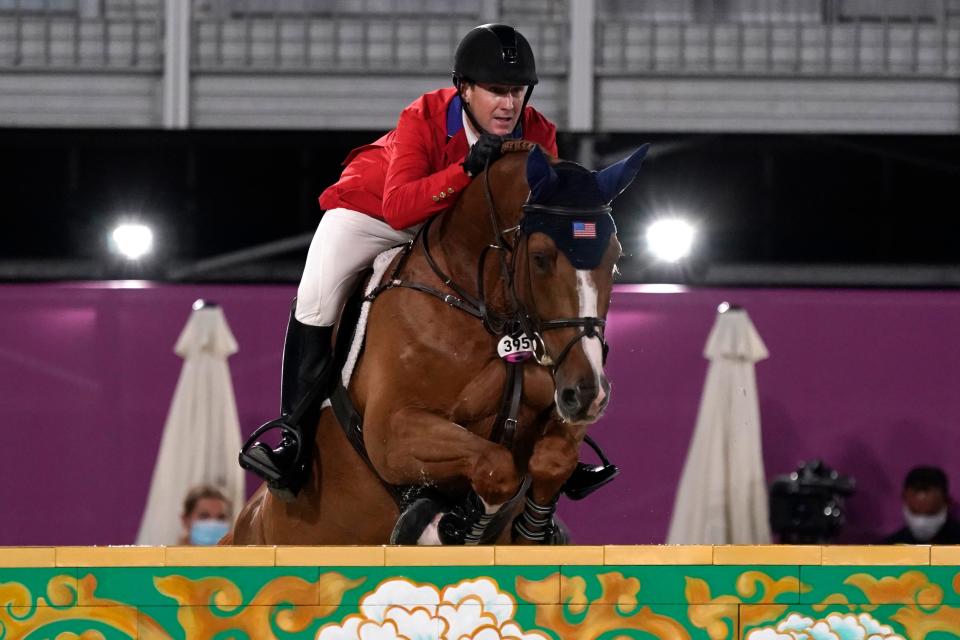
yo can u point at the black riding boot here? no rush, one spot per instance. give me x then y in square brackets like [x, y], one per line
[305, 383]
[588, 478]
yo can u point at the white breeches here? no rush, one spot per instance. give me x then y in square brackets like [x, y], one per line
[346, 242]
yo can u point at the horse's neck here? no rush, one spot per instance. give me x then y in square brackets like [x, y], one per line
[457, 242]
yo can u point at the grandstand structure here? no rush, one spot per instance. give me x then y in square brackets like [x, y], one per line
[607, 65]
[609, 69]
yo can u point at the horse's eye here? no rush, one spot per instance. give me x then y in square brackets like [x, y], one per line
[542, 262]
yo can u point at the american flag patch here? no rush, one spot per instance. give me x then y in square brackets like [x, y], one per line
[584, 229]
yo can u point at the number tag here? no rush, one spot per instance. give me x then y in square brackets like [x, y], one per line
[515, 348]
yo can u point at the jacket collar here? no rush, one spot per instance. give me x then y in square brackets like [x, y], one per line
[455, 119]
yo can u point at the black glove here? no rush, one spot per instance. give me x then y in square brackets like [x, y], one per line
[486, 149]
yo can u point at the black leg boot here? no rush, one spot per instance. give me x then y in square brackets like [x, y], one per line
[305, 383]
[466, 522]
[463, 523]
[588, 478]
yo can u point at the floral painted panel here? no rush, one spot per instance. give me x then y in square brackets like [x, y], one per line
[482, 603]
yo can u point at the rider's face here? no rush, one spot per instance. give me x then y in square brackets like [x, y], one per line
[495, 106]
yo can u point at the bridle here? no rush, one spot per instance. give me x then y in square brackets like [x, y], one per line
[518, 317]
[590, 326]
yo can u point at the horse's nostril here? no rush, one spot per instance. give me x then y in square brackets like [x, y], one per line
[575, 398]
[568, 397]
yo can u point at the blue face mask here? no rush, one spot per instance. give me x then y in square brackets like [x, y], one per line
[208, 532]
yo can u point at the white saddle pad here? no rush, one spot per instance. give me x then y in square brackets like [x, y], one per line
[380, 265]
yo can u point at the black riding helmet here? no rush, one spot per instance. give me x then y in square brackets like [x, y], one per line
[495, 54]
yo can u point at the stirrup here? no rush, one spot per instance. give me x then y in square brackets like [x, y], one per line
[285, 481]
[587, 478]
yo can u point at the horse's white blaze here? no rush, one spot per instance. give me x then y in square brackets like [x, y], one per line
[592, 347]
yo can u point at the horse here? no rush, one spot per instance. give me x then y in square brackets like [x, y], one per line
[435, 453]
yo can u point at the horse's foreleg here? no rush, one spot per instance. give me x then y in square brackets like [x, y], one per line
[553, 460]
[420, 447]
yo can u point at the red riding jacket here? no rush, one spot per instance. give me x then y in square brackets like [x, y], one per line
[414, 172]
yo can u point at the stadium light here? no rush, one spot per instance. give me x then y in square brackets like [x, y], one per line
[670, 239]
[133, 241]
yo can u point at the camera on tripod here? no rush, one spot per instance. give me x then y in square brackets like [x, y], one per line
[807, 506]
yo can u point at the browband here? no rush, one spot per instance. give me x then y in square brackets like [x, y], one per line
[566, 211]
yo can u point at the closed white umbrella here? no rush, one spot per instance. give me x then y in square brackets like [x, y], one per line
[722, 498]
[201, 437]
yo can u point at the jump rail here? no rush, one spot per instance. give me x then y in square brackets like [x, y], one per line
[481, 593]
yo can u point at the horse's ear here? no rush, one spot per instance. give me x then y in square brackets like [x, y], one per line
[617, 177]
[540, 175]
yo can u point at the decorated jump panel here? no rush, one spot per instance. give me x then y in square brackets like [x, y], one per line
[479, 602]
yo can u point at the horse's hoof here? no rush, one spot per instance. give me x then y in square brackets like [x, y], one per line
[413, 524]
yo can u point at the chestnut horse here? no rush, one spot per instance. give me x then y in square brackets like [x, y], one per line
[528, 250]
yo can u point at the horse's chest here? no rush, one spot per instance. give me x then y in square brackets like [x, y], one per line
[538, 387]
[481, 397]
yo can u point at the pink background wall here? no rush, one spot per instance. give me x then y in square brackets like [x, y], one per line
[864, 379]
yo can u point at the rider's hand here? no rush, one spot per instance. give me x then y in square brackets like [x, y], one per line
[486, 149]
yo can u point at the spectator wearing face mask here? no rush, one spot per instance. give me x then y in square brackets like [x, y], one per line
[206, 516]
[926, 510]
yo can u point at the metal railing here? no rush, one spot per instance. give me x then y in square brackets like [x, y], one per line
[792, 37]
[720, 37]
[81, 34]
[254, 35]
[373, 36]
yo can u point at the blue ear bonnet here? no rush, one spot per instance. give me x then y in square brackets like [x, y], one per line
[571, 204]
[582, 238]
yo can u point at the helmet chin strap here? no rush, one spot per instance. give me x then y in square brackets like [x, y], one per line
[473, 120]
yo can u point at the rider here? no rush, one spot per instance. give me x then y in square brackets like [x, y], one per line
[386, 191]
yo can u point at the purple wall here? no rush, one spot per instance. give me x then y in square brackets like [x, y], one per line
[865, 379]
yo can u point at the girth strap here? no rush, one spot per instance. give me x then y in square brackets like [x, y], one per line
[351, 422]
[349, 418]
